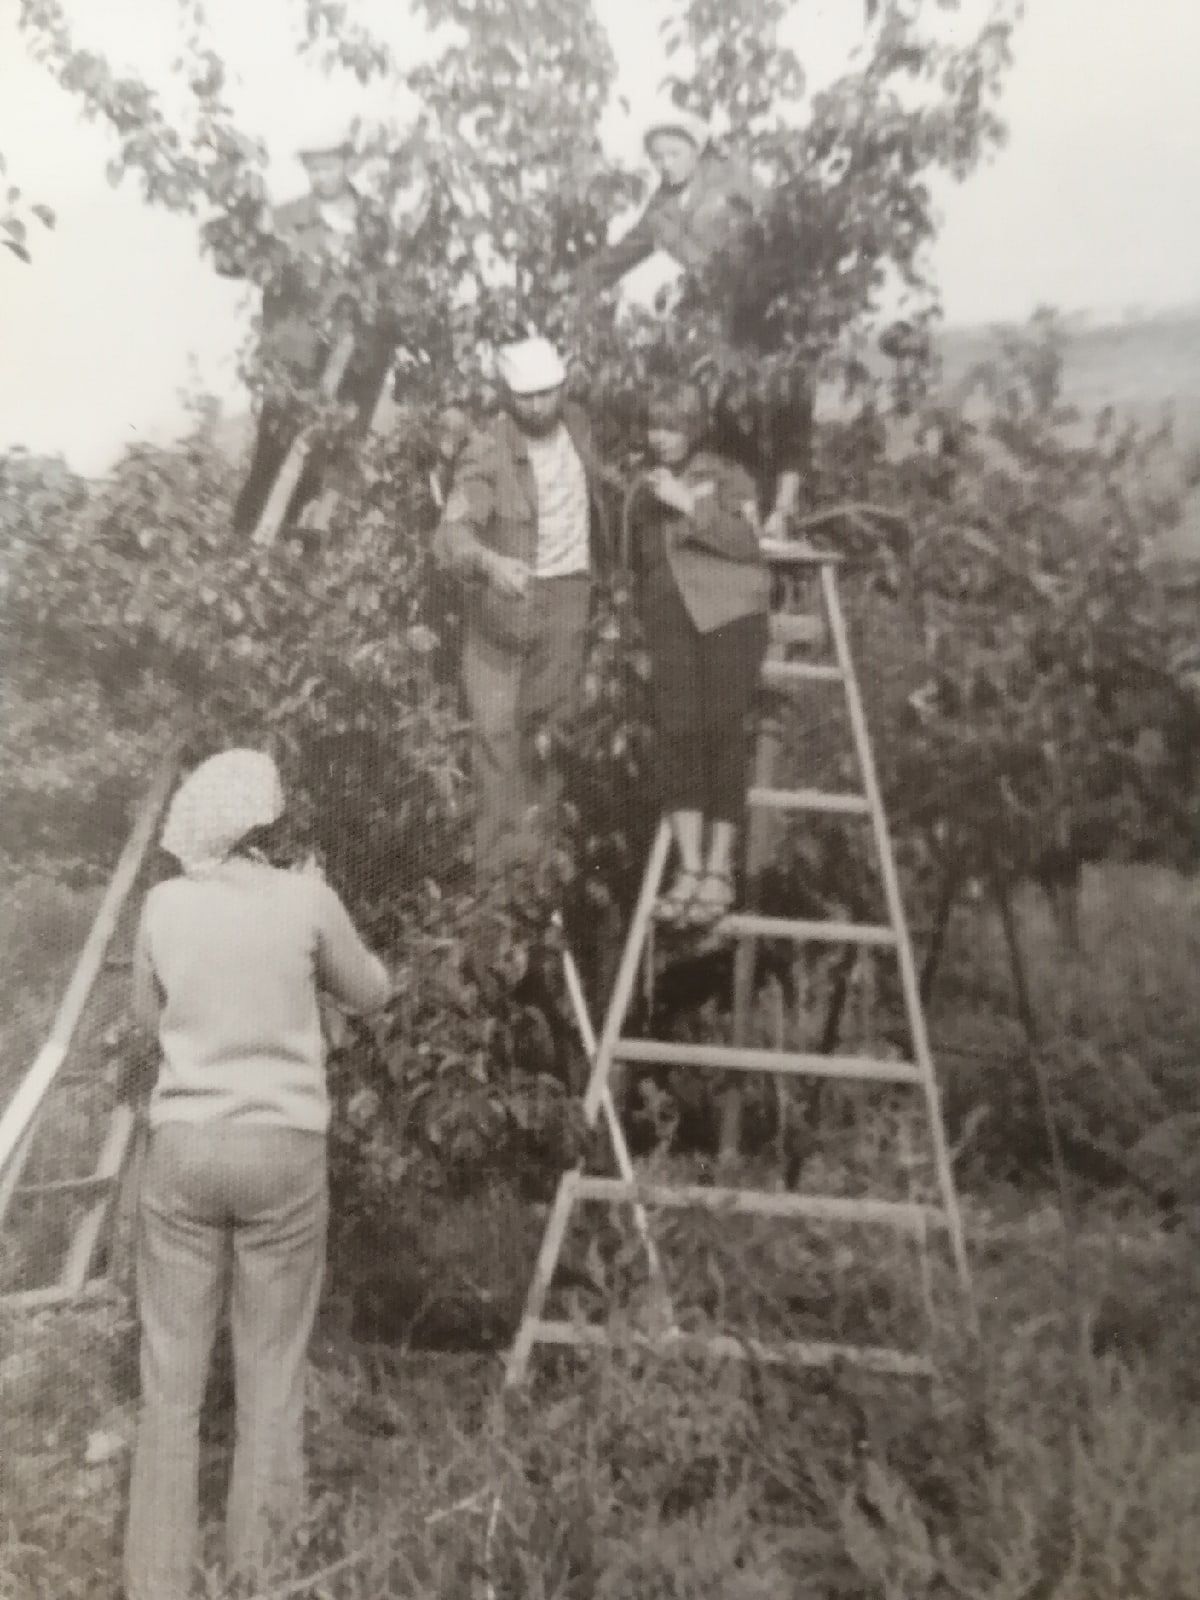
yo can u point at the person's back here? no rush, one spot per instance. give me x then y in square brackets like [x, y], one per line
[233, 1200]
[237, 956]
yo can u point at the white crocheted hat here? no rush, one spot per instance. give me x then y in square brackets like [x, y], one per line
[218, 804]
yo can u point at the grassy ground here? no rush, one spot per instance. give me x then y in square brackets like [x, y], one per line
[1061, 1459]
[43, 924]
[1032, 1469]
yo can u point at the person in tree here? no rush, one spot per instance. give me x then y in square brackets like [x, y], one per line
[703, 592]
[519, 531]
[702, 200]
[229, 960]
[326, 255]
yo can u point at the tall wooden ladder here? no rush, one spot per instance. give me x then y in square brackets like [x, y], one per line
[71, 1111]
[74, 1215]
[794, 568]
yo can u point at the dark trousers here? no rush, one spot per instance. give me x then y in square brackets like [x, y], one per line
[771, 436]
[518, 694]
[704, 687]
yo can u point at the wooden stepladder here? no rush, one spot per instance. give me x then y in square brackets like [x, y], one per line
[614, 1051]
[75, 1213]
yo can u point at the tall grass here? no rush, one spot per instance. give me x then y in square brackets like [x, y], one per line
[631, 1474]
[1036, 1465]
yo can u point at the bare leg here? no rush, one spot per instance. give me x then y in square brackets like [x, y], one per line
[787, 498]
[715, 894]
[688, 828]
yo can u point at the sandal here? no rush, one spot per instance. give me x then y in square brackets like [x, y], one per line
[675, 906]
[708, 907]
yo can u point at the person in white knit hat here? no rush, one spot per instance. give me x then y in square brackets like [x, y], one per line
[228, 962]
[518, 529]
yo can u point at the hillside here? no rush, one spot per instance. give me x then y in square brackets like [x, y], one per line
[1139, 364]
[1146, 367]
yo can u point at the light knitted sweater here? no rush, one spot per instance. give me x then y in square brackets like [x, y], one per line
[227, 968]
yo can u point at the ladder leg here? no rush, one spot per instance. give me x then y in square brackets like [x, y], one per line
[758, 844]
[543, 1272]
[618, 1006]
[616, 1132]
[922, 1053]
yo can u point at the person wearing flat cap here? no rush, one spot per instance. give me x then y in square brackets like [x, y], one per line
[702, 200]
[699, 201]
[518, 529]
[310, 299]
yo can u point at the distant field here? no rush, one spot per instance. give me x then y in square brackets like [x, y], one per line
[1137, 366]
[1147, 370]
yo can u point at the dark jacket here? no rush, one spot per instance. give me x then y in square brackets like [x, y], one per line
[713, 556]
[493, 506]
[307, 292]
[690, 224]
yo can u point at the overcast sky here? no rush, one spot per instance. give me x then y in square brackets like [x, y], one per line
[1093, 204]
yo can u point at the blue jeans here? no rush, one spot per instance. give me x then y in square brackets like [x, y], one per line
[237, 1212]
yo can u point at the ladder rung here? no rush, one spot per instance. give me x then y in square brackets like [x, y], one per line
[741, 1058]
[801, 928]
[54, 1294]
[808, 800]
[89, 1185]
[762, 1203]
[801, 1352]
[800, 672]
[786, 554]
[795, 627]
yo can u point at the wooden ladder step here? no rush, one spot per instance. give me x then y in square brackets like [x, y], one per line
[83, 1186]
[796, 627]
[785, 553]
[800, 671]
[54, 1294]
[741, 1058]
[790, 1352]
[805, 929]
[856, 805]
[905, 1214]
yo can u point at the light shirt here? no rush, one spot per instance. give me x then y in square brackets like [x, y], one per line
[227, 966]
[562, 501]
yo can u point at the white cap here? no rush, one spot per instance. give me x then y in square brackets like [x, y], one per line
[670, 118]
[530, 367]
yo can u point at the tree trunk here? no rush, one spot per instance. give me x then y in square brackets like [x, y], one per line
[1002, 891]
[947, 897]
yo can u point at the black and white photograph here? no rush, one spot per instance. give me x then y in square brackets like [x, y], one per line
[599, 800]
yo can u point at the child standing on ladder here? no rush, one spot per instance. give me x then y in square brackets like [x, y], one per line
[704, 593]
